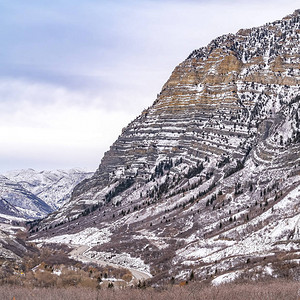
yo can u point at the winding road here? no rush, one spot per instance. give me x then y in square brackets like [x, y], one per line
[78, 253]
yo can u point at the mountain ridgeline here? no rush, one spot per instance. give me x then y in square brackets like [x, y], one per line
[213, 105]
[206, 180]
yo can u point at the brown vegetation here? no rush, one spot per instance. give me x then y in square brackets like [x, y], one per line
[275, 290]
[49, 268]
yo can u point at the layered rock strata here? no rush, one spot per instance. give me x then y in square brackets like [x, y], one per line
[210, 170]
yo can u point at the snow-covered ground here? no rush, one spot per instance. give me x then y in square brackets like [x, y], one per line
[89, 236]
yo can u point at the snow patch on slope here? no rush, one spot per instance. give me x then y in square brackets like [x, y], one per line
[90, 236]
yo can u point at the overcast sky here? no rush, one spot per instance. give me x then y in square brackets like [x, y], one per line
[73, 73]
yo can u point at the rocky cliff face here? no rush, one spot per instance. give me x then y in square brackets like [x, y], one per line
[207, 178]
[212, 105]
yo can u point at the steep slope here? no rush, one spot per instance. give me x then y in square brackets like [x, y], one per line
[53, 187]
[7, 209]
[207, 178]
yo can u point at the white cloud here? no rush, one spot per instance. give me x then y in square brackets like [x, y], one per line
[49, 123]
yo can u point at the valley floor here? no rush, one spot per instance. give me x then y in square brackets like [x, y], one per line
[275, 290]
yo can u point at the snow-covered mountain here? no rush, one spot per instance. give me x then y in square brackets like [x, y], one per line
[31, 194]
[207, 179]
[22, 203]
[53, 187]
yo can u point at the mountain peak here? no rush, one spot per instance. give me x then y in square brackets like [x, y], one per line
[208, 176]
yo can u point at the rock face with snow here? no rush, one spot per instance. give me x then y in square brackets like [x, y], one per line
[207, 178]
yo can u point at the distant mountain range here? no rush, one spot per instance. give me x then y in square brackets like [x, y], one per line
[31, 194]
